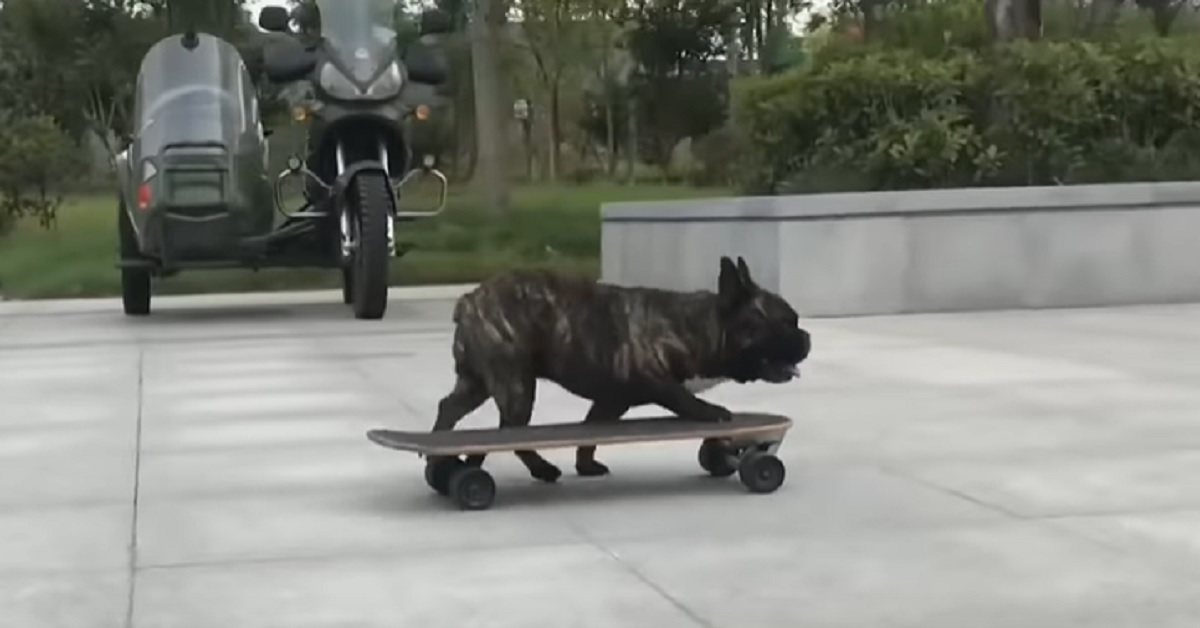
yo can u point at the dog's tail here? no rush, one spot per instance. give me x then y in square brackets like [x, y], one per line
[460, 307]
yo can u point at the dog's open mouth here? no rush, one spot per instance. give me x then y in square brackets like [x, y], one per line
[779, 372]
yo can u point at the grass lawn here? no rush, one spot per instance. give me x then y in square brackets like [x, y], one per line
[549, 225]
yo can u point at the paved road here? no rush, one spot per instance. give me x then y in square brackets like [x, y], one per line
[207, 467]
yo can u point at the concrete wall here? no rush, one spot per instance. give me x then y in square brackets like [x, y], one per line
[926, 251]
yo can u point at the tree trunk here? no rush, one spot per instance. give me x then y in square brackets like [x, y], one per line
[610, 132]
[631, 153]
[555, 127]
[733, 54]
[489, 130]
[746, 30]
[1101, 15]
[472, 156]
[759, 34]
[768, 37]
[1164, 13]
[527, 146]
[1031, 18]
[870, 27]
[1010, 19]
[610, 127]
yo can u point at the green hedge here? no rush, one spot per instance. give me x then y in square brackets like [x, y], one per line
[1027, 113]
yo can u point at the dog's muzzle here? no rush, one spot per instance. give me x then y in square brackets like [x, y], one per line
[801, 345]
[781, 364]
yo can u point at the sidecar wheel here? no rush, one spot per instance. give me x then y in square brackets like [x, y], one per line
[135, 282]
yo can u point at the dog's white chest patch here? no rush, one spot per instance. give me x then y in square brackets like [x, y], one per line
[701, 384]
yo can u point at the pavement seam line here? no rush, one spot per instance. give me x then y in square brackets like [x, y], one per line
[368, 378]
[640, 577]
[892, 470]
[1050, 524]
[633, 571]
[137, 477]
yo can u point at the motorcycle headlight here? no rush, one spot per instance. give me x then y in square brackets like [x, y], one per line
[388, 84]
[336, 84]
[339, 86]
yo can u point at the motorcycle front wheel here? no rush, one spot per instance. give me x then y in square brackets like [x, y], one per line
[371, 196]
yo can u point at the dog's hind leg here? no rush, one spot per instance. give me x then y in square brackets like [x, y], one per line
[470, 390]
[468, 394]
[514, 395]
[585, 456]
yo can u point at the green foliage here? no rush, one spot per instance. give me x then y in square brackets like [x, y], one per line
[38, 60]
[680, 85]
[784, 51]
[717, 155]
[35, 155]
[671, 108]
[549, 226]
[1026, 113]
[935, 27]
[674, 36]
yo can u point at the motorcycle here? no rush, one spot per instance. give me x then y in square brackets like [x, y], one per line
[358, 154]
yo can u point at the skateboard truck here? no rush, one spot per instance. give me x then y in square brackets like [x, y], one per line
[755, 462]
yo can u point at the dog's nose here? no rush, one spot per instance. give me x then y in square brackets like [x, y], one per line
[803, 344]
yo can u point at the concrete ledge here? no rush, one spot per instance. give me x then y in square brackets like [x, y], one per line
[924, 251]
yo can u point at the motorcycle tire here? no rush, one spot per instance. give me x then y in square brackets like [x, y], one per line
[372, 196]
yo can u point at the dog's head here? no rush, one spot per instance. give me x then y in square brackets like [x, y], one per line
[763, 337]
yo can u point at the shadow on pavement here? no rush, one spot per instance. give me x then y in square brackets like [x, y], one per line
[235, 313]
[514, 493]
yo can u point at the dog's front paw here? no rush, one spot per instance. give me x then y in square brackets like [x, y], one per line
[712, 413]
[591, 469]
[546, 472]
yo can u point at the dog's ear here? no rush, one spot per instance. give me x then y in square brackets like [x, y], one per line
[744, 274]
[730, 289]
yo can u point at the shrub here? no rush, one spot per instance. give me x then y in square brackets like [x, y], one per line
[1025, 113]
[35, 154]
[720, 157]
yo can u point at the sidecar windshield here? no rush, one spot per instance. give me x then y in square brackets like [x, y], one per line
[199, 94]
[360, 33]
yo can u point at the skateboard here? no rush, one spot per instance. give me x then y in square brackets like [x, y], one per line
[746, 446]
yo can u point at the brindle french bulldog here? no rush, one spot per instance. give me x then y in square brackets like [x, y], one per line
[619, 347]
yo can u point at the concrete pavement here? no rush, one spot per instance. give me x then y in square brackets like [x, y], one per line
[207, 467]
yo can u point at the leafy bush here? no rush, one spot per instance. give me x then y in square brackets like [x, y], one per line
[1025, 113]
[35, 155]
[719, 155]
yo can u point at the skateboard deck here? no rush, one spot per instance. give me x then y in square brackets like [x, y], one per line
[750, 426]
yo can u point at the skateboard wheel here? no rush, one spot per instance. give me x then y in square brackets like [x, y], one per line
[761, 472]
[714, 458]
[438, 472]
[472, 488]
